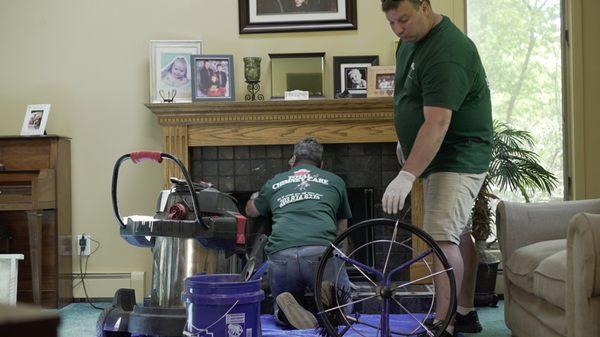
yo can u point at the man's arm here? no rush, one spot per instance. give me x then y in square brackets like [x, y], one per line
[429, 139]
[251, 209]
[342, 225]
[426, 146]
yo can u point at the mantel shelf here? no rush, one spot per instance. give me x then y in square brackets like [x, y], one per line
[186, 125]
[315, 111]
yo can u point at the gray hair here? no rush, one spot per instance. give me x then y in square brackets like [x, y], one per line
[308, 148]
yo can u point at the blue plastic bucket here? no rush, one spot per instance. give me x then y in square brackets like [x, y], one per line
[222, 305]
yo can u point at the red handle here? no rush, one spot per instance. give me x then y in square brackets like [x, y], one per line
[139, 156]
[240, 237]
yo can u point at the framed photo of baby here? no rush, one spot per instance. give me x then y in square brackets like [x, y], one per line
[212, 78]
[350, 74]
[36, 117]
[171, 71]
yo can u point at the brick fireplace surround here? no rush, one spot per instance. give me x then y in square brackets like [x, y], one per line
[239, 145]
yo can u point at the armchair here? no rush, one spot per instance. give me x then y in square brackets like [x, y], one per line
[551, 260]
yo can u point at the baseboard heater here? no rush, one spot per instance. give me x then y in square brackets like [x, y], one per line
[102, 286]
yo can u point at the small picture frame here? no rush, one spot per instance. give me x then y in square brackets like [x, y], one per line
[212, 78]
[351, 73]
[36, 117]
[381, 81]
[170, 70]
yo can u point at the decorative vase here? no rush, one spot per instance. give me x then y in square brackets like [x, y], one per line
[252, 69]
[252, 75]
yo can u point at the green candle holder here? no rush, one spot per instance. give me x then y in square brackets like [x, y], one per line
[252, 75]
[252, 69]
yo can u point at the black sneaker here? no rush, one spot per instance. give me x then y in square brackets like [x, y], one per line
[468, 323]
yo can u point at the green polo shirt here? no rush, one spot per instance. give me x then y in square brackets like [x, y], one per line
[306, 203]
[444, 70]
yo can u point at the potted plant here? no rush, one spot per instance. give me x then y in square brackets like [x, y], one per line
[513, 167]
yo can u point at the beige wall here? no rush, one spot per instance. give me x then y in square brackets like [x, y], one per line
[89, 59]
[584, 86]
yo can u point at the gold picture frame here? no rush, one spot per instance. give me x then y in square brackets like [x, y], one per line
[381, 81]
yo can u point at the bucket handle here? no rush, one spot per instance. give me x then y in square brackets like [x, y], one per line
[187, 324]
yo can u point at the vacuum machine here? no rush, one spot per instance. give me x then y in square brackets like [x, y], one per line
[188, 216]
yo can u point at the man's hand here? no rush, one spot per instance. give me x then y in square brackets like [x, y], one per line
[396, 192]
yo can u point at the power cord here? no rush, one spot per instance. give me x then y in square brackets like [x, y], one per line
[82, 273]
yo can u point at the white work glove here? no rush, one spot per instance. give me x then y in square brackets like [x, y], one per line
[396, 192]
[400, 154]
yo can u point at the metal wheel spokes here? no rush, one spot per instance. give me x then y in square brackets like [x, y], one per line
[393, 292]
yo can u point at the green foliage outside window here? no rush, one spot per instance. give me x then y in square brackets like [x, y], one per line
[520, 45]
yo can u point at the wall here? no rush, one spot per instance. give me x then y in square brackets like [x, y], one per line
[583, 87]
[89, 59]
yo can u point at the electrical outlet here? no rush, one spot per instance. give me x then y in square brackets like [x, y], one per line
[84, 244]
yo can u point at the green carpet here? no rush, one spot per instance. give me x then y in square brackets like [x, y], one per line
[79, 320]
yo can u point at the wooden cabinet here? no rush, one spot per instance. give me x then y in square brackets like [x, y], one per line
[35, 202]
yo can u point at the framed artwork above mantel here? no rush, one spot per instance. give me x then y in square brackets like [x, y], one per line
[269, 16]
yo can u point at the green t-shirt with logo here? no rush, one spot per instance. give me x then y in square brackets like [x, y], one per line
[444, 70]
[306, 203]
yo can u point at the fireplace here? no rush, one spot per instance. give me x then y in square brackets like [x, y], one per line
[250, 141]
[367, 169]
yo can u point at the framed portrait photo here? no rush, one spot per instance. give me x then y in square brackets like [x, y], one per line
[267, 16]
[352, 73]
[212, 78]
[36, 117]
[170, 69]
[381, 81]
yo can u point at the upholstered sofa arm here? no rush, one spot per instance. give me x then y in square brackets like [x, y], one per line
[583, 276]
[521, 224]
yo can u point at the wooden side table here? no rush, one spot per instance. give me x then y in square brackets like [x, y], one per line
[35, 201]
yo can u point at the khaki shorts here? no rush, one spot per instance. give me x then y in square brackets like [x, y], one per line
[449, 198]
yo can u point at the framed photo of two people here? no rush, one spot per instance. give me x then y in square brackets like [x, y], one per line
[212, 78]
[266, 16]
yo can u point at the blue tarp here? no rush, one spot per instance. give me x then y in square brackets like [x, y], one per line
[400, 323]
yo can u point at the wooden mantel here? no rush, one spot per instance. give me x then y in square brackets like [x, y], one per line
[360, 120]
[186, 125]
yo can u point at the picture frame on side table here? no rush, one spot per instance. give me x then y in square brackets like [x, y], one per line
[36, 117]
[170, 70]
[212, 78]
[381, 81]
[351, 73]
[268, 16]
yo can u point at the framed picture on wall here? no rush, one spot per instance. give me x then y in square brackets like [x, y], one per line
[381, 81]
[36, 117]
[170, 70]
[351, 73]
[266, 16]
[212, 78]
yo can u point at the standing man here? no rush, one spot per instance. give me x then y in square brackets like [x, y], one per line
[443, 120]
[205, 75]
[221, 77]
[309, 207]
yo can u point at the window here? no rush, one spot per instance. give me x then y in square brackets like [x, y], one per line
[520, 45]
